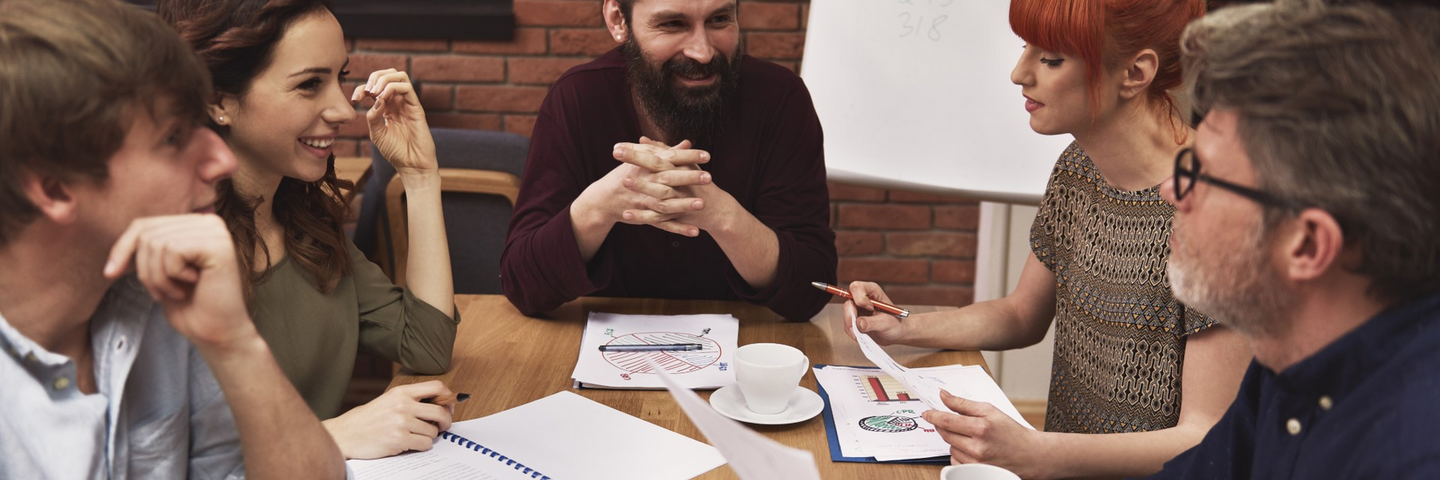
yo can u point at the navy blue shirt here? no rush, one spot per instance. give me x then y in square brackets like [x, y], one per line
[1366, 406]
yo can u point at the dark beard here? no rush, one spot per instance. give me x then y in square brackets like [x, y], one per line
[684, 113]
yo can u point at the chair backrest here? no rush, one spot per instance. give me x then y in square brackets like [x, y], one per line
[480, 178]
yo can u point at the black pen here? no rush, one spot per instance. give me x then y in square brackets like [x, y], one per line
[652, 347]
[447, 400]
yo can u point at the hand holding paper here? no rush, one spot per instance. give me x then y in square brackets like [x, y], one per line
[928, 389]
[980, 433]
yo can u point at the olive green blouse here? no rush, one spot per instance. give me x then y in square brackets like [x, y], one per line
[314, 335]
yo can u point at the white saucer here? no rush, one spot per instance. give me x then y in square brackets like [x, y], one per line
[804, 405]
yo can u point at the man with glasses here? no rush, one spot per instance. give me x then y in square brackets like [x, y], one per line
[1308, 219]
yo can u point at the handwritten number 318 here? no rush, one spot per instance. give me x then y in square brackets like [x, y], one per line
[917, 28]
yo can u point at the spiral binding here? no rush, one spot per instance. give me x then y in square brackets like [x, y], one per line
[509, 462]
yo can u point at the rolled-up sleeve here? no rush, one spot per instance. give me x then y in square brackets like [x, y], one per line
[794, 202]
[541, 267]
[399, 326]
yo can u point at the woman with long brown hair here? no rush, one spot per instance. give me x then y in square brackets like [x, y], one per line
[278, 68]
[1138, 377]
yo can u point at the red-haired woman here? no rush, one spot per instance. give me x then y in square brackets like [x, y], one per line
[278, 69]
[1126, 352]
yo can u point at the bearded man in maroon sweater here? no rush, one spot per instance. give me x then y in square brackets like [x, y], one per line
[674, 166]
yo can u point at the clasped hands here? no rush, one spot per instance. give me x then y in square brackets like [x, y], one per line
[661, 186]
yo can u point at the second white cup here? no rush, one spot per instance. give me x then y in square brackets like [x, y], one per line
[768, 374]
[976, 471]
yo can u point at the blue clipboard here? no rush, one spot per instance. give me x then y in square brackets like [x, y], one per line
[828, 416]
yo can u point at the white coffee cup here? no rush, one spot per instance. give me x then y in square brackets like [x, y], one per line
[768, 374]
[976, 471]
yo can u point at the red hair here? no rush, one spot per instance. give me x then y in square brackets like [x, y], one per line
[1104, 32]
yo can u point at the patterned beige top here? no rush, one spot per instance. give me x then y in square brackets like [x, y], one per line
[1119, 333]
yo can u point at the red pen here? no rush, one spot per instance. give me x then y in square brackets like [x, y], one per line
[879, 305]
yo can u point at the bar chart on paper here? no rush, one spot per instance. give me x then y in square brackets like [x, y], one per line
[883, 388]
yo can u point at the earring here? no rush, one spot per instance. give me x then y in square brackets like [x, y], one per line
[220, 120]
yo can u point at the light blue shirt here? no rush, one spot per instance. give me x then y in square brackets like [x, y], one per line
[159, 412]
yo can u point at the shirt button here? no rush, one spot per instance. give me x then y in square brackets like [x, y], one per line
[1292, 426]
[675, 244]
[1326, 403]
[62, 382]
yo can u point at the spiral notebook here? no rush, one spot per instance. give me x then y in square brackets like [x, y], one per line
[561, 437]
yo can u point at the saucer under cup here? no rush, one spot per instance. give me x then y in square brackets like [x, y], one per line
[802, 405]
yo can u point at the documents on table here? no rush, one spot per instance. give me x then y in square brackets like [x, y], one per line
[563, 436]
[871, 416]
[751, 455]
[696, 349]
[874, 414]
[926, 388]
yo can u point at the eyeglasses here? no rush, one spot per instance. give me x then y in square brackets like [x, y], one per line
[1187, 171]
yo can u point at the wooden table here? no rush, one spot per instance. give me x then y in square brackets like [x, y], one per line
[506, 359]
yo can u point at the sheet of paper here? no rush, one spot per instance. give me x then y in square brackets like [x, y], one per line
[706, 368]
[975, 385]
[922, 388]
[563, 436]
[751, 455]
[878, 416]
[443, 460]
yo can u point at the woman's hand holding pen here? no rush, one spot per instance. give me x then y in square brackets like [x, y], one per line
[397, 421]
[885, 329]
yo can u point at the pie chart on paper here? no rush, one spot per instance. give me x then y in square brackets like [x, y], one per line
[676, 362]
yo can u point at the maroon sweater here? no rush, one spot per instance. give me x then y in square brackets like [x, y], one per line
[771, 160]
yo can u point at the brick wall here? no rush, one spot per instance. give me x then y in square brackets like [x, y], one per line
[921, 247]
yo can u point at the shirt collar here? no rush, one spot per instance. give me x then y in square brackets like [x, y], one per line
[126, 290]
[1341, 366]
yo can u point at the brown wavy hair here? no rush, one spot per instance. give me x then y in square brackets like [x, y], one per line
[236, 39]
[73, 76]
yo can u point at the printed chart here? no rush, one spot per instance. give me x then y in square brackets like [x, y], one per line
[697, 349]
[672, 362]
[884, 388]
[875, 416]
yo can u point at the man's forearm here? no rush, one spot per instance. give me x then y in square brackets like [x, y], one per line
[590, 229]
[752, 248]
[279, 435]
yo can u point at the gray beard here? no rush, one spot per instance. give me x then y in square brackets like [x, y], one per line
[1240, 291]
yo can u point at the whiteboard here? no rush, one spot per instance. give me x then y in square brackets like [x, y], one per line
[916, 95]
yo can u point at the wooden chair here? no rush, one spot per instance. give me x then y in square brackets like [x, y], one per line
[451, 180]
[480, 180]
